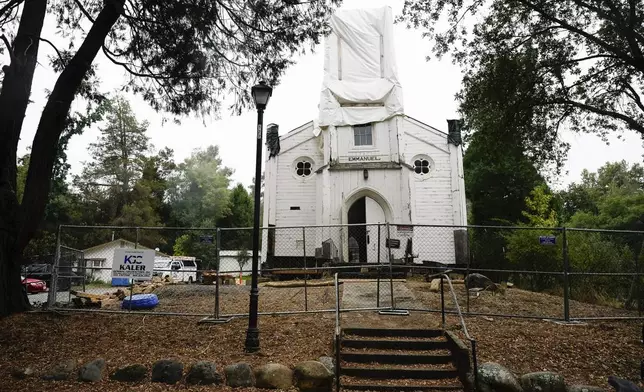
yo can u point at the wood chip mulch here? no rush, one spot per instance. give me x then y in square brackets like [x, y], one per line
[583, 354]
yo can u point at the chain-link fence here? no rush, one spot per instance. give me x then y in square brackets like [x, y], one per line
[525, 272]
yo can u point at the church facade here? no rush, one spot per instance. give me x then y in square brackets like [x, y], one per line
[362, 162]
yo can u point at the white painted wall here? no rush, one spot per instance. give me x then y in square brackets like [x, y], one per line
[432, 199]
[105, 252]
[293, 192]
[400, 195]
[382, 148]
[228, 263]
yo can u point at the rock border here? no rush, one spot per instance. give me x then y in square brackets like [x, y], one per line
[306, 376]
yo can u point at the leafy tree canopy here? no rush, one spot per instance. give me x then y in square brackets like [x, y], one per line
[612, 198]
[199, 193]
[572, 63]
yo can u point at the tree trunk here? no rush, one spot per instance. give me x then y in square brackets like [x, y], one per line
[52, 120]
[12, 298]
[14, 98]
[18, 224]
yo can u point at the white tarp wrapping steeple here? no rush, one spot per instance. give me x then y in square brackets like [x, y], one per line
[360, 79]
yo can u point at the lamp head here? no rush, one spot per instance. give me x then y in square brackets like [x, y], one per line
[261, 94]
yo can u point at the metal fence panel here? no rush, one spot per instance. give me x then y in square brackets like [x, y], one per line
[537, 272]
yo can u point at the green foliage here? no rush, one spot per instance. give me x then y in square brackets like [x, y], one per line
[21, 176]
[524, 251]
[499, 104]
[612, 198]
[190, 245]
[558, 63]
[118, 158]
[199, 192]
[240, 216]
[498, 178]
[198, 54]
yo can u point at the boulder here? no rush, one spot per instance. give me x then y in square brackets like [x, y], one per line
[542, 382]
[435, 286]
[475, 280]
[239, 375]
[61, 371]
[584, 388]
[22, 373]
[203, 373]
[312, 376]
[328, 362]
[167, 371]
[273, 376]
[92, 371]
[623, 385]
[493, 377]
[130, 373]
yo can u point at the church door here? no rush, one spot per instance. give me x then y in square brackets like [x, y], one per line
[363, 239]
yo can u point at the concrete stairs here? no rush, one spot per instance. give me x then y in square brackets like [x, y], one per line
[386, 359]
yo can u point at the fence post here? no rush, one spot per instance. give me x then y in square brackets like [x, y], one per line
[83, 268]
[638, 285]
[53, 283]
[442, 303]
[136, 246]
[378, 272]
[566, 271]
[467, 271]
[306, 293]
[217, 249]
[391, 269]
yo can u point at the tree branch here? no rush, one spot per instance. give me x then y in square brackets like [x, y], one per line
[84, 11]
[10, 5]
[458, 21]
[579, 60]
[54, 117]
[55, 48]
[636, 97]
[602, 112]
[590, 37]
[7, 43]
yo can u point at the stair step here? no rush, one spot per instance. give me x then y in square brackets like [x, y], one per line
[393, 387]
[395, 344]
[398, 373]
[390, 332]
[394, 358]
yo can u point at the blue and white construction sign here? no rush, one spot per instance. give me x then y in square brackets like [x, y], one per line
[133, 263]
[547, 240]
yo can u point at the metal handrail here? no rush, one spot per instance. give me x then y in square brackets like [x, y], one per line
[462, 320]
[337, 334]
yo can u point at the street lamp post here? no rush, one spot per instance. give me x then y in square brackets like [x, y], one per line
[261, 94]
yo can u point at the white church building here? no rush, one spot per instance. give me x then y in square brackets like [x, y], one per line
[364, 161]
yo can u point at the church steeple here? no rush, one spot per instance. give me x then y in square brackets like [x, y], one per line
[360, 83]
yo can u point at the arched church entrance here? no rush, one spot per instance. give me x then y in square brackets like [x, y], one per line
[363, 216]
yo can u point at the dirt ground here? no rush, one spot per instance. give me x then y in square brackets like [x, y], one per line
[584, 354]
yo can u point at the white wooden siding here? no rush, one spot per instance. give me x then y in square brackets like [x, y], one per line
[295, 192]
[322, 198]
[432, 197]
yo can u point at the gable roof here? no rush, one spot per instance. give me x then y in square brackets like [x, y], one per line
[123, 243]
[427, 126]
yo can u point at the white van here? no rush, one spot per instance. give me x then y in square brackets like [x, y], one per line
[180, 269]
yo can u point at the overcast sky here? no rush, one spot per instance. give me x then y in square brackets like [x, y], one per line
[428, 89]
